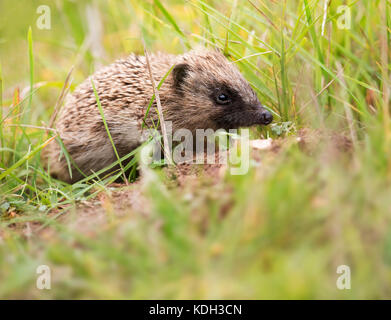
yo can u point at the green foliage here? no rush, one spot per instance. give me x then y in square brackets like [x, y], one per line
[279, 231]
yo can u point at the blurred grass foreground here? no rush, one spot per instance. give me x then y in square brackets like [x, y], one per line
[319, 199]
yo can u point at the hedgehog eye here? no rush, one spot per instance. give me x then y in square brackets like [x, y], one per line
[223, 98]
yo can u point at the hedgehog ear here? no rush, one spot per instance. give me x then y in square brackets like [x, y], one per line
[179, 73]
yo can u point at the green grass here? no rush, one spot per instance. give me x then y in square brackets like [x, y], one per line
[279, 231]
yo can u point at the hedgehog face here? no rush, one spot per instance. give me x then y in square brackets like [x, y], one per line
[235, 111]
[215, 94]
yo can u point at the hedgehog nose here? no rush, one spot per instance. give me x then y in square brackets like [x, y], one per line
[266, 117]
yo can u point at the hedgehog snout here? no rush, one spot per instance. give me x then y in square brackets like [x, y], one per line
[264, 117]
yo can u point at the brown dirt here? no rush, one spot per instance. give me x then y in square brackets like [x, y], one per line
[123, 201]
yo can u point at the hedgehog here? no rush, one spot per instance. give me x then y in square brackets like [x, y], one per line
[203, 90]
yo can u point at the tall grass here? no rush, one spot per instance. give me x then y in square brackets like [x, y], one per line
[279, 231]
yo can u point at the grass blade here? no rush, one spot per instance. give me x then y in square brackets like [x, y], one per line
[107, 130]
[25, 158]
